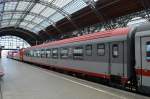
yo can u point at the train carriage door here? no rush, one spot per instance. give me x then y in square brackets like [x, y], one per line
[144, 70]
[116, 61]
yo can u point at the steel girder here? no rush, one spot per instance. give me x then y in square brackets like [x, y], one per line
[92, 5]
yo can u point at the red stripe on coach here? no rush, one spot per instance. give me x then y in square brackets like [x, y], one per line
[143, 72]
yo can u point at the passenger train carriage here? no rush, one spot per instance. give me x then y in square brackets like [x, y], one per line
[120, 56]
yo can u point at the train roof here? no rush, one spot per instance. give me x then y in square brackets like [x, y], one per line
[143, 27]
[96, 35]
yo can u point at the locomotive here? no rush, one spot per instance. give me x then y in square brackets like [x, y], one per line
[120, 56]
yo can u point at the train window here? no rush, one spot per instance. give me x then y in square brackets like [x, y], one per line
[31, 53]
[48, 53]
[34, 53]
[27, 53]
[64, 52]
[88, 49]
[55, 53]
[100, 49]
[43, 53]
[148, 51]
[38, 53]
[115, 50]
[78, 53]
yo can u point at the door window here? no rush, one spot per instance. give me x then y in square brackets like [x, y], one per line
[115, 50]
[148, 51]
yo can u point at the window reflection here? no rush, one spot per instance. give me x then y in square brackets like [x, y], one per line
[148, 51]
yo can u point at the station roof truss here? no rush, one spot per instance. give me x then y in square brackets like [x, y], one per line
[36, 15]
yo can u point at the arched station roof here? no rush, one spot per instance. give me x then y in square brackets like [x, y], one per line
[30, 37]
[36, 15]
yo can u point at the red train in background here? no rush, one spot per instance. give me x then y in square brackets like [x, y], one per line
[120, 56]
[16, 54]
[12, 54]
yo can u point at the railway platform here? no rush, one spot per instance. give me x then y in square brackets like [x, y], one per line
[24, 81]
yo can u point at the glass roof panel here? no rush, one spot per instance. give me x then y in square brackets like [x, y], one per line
[5, 21]
[7, 16]
[31, 26]
[61, 3]
[10, 6]
[56, 17]
[37, 20]
[47, 12]
[29, 17]
[45, 24]
[16, 16]
[21, 26]
[37, 8]
[36, 29]
[1, 7]
[39, 28]
[26, 28]
[4, 24]
[36, 13]
[23, 23]
[75, 6]
[13, 22]
[22, 5]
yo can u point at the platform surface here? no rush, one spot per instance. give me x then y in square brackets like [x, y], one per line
[24, 81]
